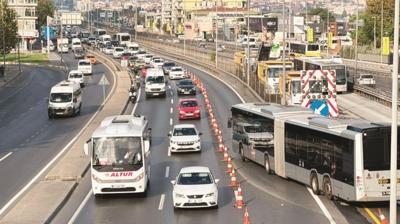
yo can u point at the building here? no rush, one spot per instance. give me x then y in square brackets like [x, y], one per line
[26, 21]
[189, 5]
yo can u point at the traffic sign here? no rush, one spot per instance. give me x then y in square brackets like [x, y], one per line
[104, 81]
[320, 107]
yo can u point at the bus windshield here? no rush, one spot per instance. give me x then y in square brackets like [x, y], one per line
[340, 73]
[312, 47]
[125, 38]
[376, 145]
[254, 129]
[117, 153]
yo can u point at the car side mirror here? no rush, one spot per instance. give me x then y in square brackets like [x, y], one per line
[173, 182]
[200, 133]
[216, 181]
[230, 122]
[86, 147]
[146, 146]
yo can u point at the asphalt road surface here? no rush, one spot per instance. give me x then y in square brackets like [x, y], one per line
[29, 140]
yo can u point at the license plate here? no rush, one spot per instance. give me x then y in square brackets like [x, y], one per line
[187, 92]
[59, 113]
[117, 186]
[155, 94]
[189, 114]
[194, 200]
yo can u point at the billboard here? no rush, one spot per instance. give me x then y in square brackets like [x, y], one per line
[258, 23]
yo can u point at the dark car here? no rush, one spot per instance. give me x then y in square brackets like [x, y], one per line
[186, 87]
[167, 67]
[115, 43]
[79, 53]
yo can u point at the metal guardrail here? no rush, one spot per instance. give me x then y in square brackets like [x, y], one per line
[375, 95]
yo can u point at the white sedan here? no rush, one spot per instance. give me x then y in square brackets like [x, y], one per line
[195, 187]
[184, 138]
[176, 72]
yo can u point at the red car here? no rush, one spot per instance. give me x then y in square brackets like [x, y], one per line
[144, 70]
[189, 109]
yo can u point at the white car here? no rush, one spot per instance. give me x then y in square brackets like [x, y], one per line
[184, 138]
[85, 66]
[77, 76]
[147, 58]
[118, 51]
[141, 54]
[109, 50]
[177, 72]
[366, 80]
[157, 62]
[195, 187]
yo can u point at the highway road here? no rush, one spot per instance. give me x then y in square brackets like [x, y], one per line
[270, 200]
[29, 140]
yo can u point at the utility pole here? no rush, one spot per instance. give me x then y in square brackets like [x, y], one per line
[356, 50]
[327, 33]
[284, 55]
[216, 34]
[136, 18]
[381, 31]
[248, 44]
[4, 35]
[393, 145]
[374, 32]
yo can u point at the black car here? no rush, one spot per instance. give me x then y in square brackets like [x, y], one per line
[79, 53]
[186, 87]
[167, 67]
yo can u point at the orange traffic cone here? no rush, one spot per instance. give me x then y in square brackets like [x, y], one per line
[382, 217]
[239, 198]
[220, 148]
[246, 219]
[226, 155]
[234, 182]
[229, 166]
[233, 173]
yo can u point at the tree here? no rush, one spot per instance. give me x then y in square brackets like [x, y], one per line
[9, 29]
[45, 8]
[323, 14]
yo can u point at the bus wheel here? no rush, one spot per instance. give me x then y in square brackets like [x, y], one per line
[314, 183]
[328, 188]
[267, 165]
[244, 159]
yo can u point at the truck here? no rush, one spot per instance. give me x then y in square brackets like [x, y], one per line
[62, 45]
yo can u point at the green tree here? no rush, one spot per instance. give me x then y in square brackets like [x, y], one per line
[9, 29]
[45, 8]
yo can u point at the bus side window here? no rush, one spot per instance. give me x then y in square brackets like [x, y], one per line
[313, 151]
[301, 149]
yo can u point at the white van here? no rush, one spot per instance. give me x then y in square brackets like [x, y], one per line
[76, 43]
[77, 76]
[132, 48]
[118, 51]
[155, 82]
[65, 99]
[85, 66]
[104, 39]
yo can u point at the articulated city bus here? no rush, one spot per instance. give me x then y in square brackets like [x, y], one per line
[344, 158]
[305, 63]
[120, 155]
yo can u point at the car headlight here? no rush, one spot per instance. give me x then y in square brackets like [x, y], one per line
[179, 195]
[197, 111]
[139, 177]
[193, 88]
[210, 194]
[173, 142]
[97, 179]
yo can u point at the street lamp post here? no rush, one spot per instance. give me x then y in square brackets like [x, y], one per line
[4, 34]
[381, 31]
[248, 44]
[216, 34]
[374, 32]
[356, 50]
[284, 55]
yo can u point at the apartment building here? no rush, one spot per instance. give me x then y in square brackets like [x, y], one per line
[26, 20]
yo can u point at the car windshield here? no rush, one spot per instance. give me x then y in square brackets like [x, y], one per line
[117, 151]
[149, 56]
[60, 97]
[84, 63]
[184, 131]
[119, 49]
[194, 178]
[189, 103]
[255, 129]
[155, 79]
[186, 82]
[367, 77]
[169, 64]
[176, 69]
[75, 75]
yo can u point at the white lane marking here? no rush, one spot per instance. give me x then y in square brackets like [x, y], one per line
[79, 209]
[35, 178]
[169, 87]
[137, 102]
[169, 152]
[172, 101]
[5, 157]
[167, 172]
[322, 206]
[161, 205]
[171, 110]
[170, 121]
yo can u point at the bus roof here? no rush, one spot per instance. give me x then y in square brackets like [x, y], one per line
[121, 126]
[272, 110]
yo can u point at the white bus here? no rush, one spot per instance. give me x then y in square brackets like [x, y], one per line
[305, 63]
[120, 155]
[99, 32]
[123, 38]
[299, 49]
[344, 158]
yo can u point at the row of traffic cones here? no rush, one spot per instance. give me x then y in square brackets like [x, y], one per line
[222, 148]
